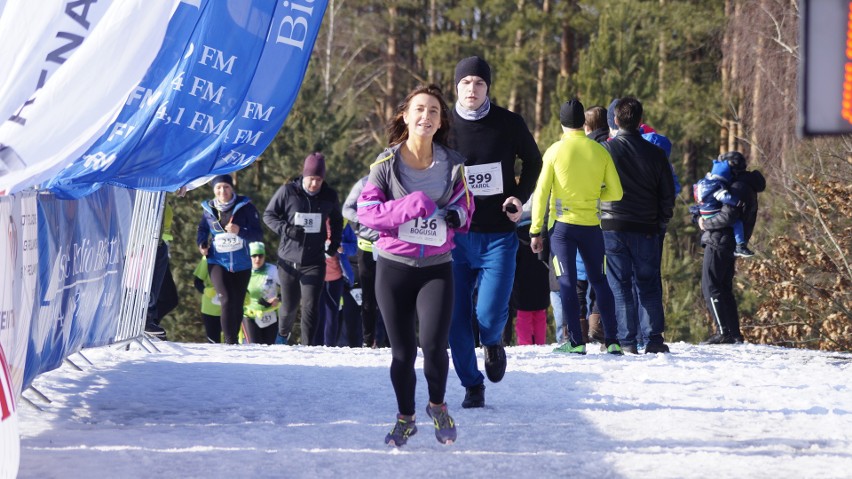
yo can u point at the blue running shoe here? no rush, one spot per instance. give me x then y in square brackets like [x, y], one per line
[404, 428]
[445, 427]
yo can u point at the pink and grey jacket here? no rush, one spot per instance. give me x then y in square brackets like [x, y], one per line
[384, 205]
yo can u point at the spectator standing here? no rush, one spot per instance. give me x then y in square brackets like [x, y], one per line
[717, 272]
[416, 197]
[301, 212]
[577, 175]
[632, 227]
[491, 138]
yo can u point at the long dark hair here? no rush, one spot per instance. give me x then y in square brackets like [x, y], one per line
[397, 129]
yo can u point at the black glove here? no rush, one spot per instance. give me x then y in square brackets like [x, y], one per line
[330, 252]
[452, 218]
[264, 303]
[695, 212]
[296, 232]
[199, 284]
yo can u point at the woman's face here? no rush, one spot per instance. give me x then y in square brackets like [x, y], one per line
[423, 115]
[257, 261]
[223, 192]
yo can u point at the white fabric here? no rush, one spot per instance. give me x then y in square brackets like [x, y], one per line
[77, 103]
[28, 36]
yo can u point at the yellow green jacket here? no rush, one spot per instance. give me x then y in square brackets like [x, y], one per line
[577, 175]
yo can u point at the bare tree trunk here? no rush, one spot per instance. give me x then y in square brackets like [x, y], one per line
[661, 61]
[519, 37]
[433, 30]
[390, 63]
[329, 40]
[539, 120]
[566, 45]
[757, 92]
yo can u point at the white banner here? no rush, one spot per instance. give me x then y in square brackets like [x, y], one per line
[77, 103]
[36, 38]
[18, 279]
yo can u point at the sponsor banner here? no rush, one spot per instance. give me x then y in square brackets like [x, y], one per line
[36, 38]
[81, 247]
[18, 279]
[215, 110]
[83, 97]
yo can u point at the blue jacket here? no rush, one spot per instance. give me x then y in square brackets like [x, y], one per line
[246, 217]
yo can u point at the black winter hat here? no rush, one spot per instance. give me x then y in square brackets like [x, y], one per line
[572, 114]
[473, 66]
[222, 179]
[735, 160]
[610, 115]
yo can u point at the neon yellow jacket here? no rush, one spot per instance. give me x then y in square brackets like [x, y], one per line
[577, 174]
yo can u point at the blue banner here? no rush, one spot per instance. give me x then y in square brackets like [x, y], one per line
[81, 260]
[209, 105]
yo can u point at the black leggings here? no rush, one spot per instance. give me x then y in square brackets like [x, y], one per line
[212, 328]
[231, 288]
[405, 295]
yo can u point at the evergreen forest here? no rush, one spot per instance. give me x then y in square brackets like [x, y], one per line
[713, 76]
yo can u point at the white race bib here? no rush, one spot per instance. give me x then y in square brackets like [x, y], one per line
[268, 319]
[428, 231]
[485, 180]
[310, 221]
[357, 295]
[227, 243]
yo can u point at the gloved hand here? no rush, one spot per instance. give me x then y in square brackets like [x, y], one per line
[696, 213]
[330, 252]
[296, 232]
[264, 303]
[452, 218]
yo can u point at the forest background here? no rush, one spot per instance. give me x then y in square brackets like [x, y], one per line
[712, 76]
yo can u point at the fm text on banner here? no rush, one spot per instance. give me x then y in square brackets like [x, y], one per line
[216, 110]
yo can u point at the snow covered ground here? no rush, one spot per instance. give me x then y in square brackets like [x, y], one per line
[211, 411]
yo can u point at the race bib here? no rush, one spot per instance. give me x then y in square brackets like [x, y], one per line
[428, 231]
[357, 295]
[268, 319]
[227, 242]
[485, 180]
[310, 221]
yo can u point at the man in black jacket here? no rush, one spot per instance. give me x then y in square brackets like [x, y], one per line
[717, 273]
[632, 225]
[300, 212]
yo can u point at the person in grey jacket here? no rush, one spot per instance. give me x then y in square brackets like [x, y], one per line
[366, 268]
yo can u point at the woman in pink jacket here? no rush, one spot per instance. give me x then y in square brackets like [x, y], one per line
[416, 198]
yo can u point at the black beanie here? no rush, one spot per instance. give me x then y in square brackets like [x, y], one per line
[473, 66]
[222, 179]
[572, 114]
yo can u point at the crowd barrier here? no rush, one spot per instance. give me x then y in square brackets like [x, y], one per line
[74, 274]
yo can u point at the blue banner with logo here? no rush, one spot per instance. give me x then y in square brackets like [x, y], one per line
[81, 248]
[209, 105]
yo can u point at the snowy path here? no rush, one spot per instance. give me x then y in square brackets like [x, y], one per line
[211, 411]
